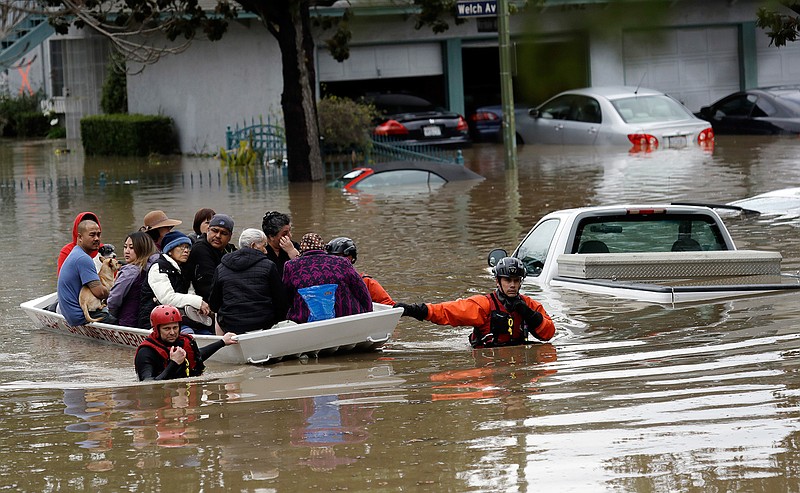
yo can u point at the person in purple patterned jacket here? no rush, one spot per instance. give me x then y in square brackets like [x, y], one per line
[321, 286]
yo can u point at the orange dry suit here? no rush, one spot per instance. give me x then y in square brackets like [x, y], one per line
[376, 291]
[493, 324]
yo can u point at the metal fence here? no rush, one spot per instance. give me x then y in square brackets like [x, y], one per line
[261, 176]
[268, 138]
[255, 177]
[389, 149]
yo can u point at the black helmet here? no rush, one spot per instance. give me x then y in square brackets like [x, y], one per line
[342, 246]
[510, 267]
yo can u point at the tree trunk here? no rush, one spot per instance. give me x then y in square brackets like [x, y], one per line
[288, 21]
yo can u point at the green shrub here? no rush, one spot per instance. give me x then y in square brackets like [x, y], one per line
[11, 110]
[57, 132]
[242, 156]
[345, 124]
[127, 135]
[32, 124]
[115, 87]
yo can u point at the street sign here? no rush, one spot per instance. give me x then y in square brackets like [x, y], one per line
[484, 8]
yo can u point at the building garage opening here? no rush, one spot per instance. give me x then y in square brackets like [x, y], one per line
[413, 68]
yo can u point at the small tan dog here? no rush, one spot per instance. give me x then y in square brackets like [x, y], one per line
[107, 273]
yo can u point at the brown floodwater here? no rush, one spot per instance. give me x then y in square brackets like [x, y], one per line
[629, 397]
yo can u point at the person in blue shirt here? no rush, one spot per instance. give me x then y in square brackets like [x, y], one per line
[79, 270]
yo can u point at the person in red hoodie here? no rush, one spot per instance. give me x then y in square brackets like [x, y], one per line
[503, 317]
[62, 256]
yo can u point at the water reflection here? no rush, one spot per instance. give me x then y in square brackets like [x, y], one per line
[506, 374]
[330, 408]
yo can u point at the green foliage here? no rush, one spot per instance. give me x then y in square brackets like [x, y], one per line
[565, 71]
[436, 14]
[127, 135]
[32, 124]
[11, 111]
[344, 123]
[781, 28]
[57, 132]
[183, 19]
[240, 157]
[339, 43]
[115, 88]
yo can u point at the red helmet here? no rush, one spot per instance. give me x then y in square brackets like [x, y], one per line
[164, 314]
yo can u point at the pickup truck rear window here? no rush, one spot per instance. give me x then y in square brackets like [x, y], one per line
[647, 233]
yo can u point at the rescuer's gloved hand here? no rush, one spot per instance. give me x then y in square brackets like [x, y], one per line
[487, 340]
[416, 310]
[531, 317]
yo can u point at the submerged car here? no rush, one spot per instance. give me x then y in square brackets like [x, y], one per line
[416, 121]
[784, 202]
[641, 119]
[406, 173]
[762, 111]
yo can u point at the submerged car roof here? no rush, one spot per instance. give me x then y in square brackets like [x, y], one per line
[448, 171]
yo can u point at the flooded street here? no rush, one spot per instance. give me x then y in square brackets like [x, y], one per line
[629, 397]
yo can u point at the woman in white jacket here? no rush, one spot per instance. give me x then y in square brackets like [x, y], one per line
[166, 284]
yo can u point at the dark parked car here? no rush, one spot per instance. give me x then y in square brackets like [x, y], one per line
[486, 123]
[763, 111]
[414, 120]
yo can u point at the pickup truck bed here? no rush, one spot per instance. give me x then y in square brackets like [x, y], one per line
[676, 277]
[669, 265]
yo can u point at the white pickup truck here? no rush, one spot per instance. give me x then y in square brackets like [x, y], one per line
[664, 254]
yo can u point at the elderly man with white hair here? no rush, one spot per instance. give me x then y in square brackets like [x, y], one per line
[247, 293]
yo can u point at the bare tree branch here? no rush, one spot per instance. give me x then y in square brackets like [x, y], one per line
[13, 11]
[133, 34]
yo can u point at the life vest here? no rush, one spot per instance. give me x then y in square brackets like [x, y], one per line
[195, 364]
[505, 327]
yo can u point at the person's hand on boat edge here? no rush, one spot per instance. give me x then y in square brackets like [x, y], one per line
[230, 338]
[416, 310]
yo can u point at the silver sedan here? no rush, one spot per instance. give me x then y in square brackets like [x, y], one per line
[641, 119]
